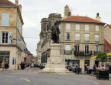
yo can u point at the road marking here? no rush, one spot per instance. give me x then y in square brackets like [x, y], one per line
[25, 79]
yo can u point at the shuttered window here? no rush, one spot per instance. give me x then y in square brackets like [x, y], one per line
[5, 19]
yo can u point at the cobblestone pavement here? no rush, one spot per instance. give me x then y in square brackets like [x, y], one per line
[32, 77]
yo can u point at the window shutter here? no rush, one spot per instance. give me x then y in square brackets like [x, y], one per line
[5, 19]
[0, 37]
[10, 37]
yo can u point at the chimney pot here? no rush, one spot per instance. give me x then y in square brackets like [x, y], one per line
[98, 17]
[16, 2]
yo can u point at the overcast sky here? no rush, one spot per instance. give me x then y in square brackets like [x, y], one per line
[34, 10]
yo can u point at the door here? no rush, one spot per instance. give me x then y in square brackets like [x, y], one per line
[4, 57]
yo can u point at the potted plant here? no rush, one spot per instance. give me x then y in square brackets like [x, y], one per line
[102, 73]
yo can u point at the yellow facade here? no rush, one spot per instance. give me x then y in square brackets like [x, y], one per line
[17, 45]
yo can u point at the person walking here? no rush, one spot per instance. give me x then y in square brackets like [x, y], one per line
[3, 66]
[6, 66]
[78, 70]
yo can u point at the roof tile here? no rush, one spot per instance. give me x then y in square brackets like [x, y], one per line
[81, 19]
[7, 2]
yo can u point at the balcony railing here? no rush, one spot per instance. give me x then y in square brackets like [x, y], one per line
[68, 52]
[82, 53]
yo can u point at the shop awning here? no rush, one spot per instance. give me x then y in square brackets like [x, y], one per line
[109, 54]
[93, 57]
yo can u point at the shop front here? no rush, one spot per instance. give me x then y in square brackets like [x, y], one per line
[4, 58]
[72, 62]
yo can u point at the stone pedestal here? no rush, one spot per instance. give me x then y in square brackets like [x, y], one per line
[55, 63]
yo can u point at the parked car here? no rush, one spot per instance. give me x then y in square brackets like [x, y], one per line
[42, 66]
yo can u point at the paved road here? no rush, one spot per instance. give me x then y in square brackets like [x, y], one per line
[34, 78]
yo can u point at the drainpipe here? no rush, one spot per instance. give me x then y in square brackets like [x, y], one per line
[16, 35]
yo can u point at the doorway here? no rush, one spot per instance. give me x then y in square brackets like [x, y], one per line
[4, 57]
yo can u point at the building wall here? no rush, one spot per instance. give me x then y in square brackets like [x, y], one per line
[82, 42]
[107, 41]
[13, 54]
[16, 48]
[91, 31]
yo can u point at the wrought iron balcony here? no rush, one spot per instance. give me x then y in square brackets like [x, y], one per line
[68, 52]
[82, 53]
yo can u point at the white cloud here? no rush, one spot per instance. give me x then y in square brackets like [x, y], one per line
[35, 10]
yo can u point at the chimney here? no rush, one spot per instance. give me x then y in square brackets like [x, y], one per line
[16, 2]
[98, 17]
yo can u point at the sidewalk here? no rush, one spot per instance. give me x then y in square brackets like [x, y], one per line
[102, 82]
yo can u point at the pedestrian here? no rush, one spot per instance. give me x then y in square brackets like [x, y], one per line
[78, 70]
[32, 65]
[107, 67]
[22, 65]
[3, 66]
[94, 69]
[6, 66]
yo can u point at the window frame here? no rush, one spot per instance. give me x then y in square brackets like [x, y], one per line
[77, 48]
[86, 37]
[68, 26]
[4, 37]
[97, 28]
[87, 50]
[77, 27]
[86, 27]
[67, 36]
[96, 48]
[77, 36]
[68, 47]
[96, 39]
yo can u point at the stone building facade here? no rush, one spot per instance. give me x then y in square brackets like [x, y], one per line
[12, 44]
[107, 38]
[107, 41]
[80, 37]
[43, 50]
[38, 53]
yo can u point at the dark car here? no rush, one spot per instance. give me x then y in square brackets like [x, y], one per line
[42, 66]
